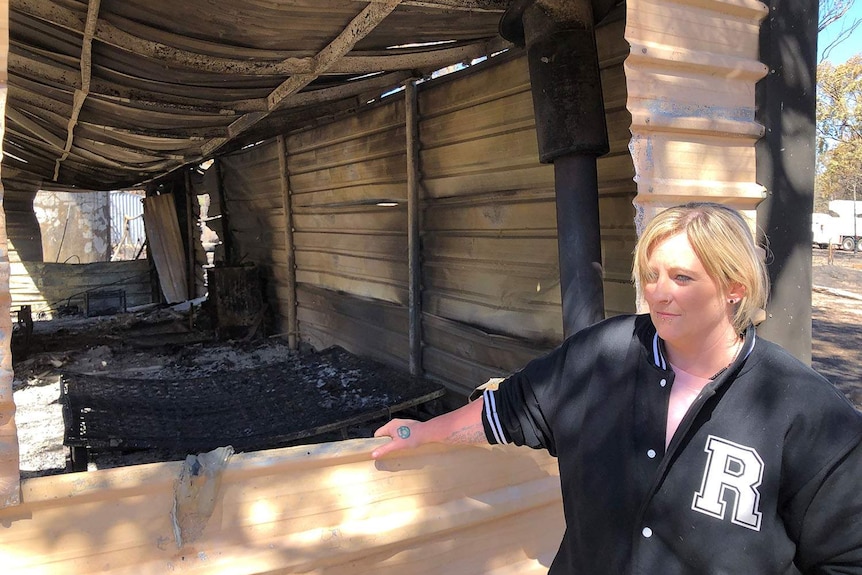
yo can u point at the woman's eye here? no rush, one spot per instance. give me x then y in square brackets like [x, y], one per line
[682, 278]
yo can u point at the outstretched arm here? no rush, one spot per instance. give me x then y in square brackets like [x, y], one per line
[462, 426]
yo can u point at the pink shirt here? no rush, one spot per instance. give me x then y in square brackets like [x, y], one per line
[686, 388]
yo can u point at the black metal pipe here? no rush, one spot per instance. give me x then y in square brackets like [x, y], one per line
[571, 130]
[579, 242]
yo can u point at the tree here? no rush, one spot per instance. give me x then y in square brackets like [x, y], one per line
[830, 12]
[842, 173]
[839, 129]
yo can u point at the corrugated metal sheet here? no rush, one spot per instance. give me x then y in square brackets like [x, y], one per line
[326, 509]
[691, 76]
[127, 225]
[167, 83]
[48, 286]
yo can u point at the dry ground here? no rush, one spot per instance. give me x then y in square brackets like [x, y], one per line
[837, 320]
[162, 347]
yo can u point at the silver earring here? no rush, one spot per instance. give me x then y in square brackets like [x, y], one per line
[732, 301]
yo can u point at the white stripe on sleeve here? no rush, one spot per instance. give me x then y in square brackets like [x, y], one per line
[493, 419]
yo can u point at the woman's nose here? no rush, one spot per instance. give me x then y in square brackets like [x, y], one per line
[661, 291]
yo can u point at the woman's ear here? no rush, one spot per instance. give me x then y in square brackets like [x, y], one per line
[735, 293]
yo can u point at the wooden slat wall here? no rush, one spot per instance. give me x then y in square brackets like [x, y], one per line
[489, 225]
[251, 182]
[490, 259]
[616, 173]
[490, 276]
[45, 286]
[351, 254]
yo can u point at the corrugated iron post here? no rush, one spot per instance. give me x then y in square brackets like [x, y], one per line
[414, 289]
[10, 492]
[570, 125]
[290, 257]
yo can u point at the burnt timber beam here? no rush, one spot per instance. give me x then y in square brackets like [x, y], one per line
[86, 72]
[355, 31]
[457, 5]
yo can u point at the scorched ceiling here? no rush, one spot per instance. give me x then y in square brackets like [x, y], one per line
[111, 93]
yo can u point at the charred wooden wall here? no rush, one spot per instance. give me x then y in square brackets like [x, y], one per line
[490, 276]
[250, 201]
[350, 240]
[47, 287]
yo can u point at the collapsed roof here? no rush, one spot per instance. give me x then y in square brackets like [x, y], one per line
[107, 94]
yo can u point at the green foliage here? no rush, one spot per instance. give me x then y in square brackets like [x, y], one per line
[839, 129]
[842, 171]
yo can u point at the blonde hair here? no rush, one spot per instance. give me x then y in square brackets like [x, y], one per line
[722, 240]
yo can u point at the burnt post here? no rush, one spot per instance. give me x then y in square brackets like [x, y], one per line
[559, 36]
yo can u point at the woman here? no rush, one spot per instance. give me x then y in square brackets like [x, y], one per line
[686, 444]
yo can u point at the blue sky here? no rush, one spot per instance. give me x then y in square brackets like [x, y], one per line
[850, 46]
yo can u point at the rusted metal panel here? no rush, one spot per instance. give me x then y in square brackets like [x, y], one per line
[432, 511]
[691, 75]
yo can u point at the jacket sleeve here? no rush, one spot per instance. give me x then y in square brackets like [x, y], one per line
[513, 413]
[828, 517]
[548, 392]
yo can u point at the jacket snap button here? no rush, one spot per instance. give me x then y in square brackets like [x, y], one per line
[647, 532]
[663, 382]
[651, 453]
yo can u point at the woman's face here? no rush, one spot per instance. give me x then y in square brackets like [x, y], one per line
[687, 306]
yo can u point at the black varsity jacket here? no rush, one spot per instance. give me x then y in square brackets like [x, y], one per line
[763, 475]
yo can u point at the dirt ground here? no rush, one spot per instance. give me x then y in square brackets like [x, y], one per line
[836, 320]
[158, 344]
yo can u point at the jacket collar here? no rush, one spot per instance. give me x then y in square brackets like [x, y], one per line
[659, 358]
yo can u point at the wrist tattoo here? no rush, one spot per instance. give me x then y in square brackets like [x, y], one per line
[403, 432]
[470, 435]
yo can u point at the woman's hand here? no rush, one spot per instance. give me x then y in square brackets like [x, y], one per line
[403, 433]
[460, 427]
